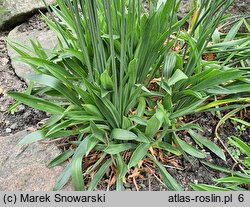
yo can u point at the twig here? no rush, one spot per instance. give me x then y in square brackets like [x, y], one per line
[156, 176]
[159, 179]
[136, 186]
[109, 183]
[218, 137]
[149, 183]
[235, 164]
[177, 168]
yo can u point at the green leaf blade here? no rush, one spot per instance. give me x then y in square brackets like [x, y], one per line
[139, 153]
[188, 148]
[207, 143]
[121, 134]
[98, 176]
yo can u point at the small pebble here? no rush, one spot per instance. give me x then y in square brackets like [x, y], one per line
[26, 114]
[127, 185]
[4, 61]
[13, 126]
[221, 175]
[8, 130]
[21, 108]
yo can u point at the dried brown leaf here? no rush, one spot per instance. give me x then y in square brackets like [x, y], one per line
[135, 173]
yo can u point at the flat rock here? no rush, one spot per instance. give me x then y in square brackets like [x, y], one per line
[47, 38]
[13, 12]
[24, 168]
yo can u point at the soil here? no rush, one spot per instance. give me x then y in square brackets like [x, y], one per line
[24, 117]
[184, 172]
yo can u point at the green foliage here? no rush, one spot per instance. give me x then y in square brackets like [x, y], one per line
[97, 81]
[240, 125]
[240, 150]
[234, 181]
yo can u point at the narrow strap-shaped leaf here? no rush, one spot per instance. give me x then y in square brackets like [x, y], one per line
[189, 148]
[76, 171]
[234, 179]
[169, 64]
[121, 134]
[37, 103]
[76, 174]
[56, 70]
[63, 178]
[167, 147]
[167, 178]
[154, 123]
[205, 187]
[106, 81]
[233, 31]
[242, 145]
[141, 107]
[99, 175]
[97, 132]
[187, 110]
[64, 133]
[57, 85]
[222, 169]
[92, 109]
[96, 164]
[220, 102]
[53, 120]
[219, 78]
[107, 109]
[117, 148]
[86, 146]
[139, 153]
[241, 121]
[61, 126]
[138, 120]
[33, 137]
[60, 158]
[177, 76]
[122, 170]
[207, 143]
[192, 93]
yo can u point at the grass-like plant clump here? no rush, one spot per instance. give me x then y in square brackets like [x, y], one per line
[120, 80]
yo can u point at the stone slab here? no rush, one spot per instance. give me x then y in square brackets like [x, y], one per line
[13, 12]
[47, 39]
[24, 168]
